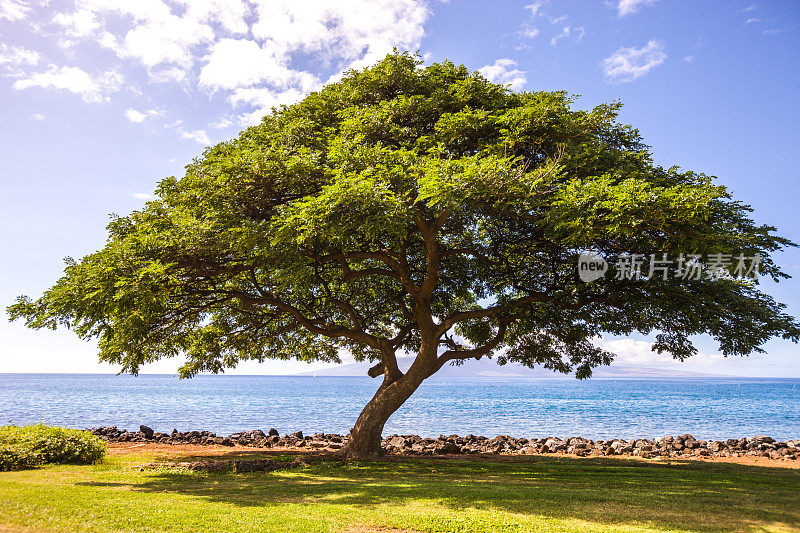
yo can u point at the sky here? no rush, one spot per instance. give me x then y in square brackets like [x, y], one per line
[103, 98]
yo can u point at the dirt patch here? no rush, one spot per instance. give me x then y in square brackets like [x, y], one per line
[376, 529]
[14, 529]
[186, 450]
[237, 466]
[178, 451]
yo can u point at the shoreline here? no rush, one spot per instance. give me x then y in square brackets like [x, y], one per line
[668, 447]
[190, 453]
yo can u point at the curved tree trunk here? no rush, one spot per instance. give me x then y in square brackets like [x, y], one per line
[365, 436]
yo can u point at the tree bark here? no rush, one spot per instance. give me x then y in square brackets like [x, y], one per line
[365, 436]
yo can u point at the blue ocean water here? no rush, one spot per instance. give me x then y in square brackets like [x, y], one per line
[708, 408]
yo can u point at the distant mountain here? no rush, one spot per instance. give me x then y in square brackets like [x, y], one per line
[488, 368]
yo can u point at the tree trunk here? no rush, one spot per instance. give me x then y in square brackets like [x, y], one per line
[365, 437]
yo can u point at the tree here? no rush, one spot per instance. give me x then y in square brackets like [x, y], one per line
[423, 210]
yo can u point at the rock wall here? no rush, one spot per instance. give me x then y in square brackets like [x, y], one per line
[682, 446]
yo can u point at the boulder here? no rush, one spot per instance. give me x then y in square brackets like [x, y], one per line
[397, 441]
[449, 448]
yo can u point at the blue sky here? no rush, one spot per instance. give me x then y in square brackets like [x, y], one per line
[102, 98]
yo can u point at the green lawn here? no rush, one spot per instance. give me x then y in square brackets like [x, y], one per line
[529, 494]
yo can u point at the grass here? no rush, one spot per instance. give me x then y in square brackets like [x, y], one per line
[437, 495]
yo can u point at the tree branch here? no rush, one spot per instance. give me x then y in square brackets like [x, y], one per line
[493, 311]
[474, 353]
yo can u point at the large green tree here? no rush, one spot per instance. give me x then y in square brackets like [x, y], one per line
[422, 210]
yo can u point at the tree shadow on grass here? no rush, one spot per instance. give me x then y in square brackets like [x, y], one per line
[690, 495]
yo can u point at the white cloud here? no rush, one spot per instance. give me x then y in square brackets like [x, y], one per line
[238, 63]
[629, 7]
[166, 40]
[689, 58]
[567, 31]
[151, 32]
[73, 79]
[38, 117]
[199, 136]
[263, 100]
[143, 196]
[14, 56]
[504, 71]
[535, 7]
[256, 52]
[564, 33]
[80, 23]
[528, 29]
[13, 10]
[347, 31]
[135, 116]
[221, 124]
[530, 33]
[139, 117]
[539, 17]
[627, 64]
[230, 14]
[168, 75]
[640, 353]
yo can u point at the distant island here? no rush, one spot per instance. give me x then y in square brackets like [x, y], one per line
[488, 368]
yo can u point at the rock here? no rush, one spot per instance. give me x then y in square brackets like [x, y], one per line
[683, 446]
[397, 441]
[716, 446]
[449, 448]
[618, 445]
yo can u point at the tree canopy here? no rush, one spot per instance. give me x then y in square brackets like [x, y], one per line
[423, 210]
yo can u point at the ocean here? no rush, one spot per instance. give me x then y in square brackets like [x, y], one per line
[707, 408]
